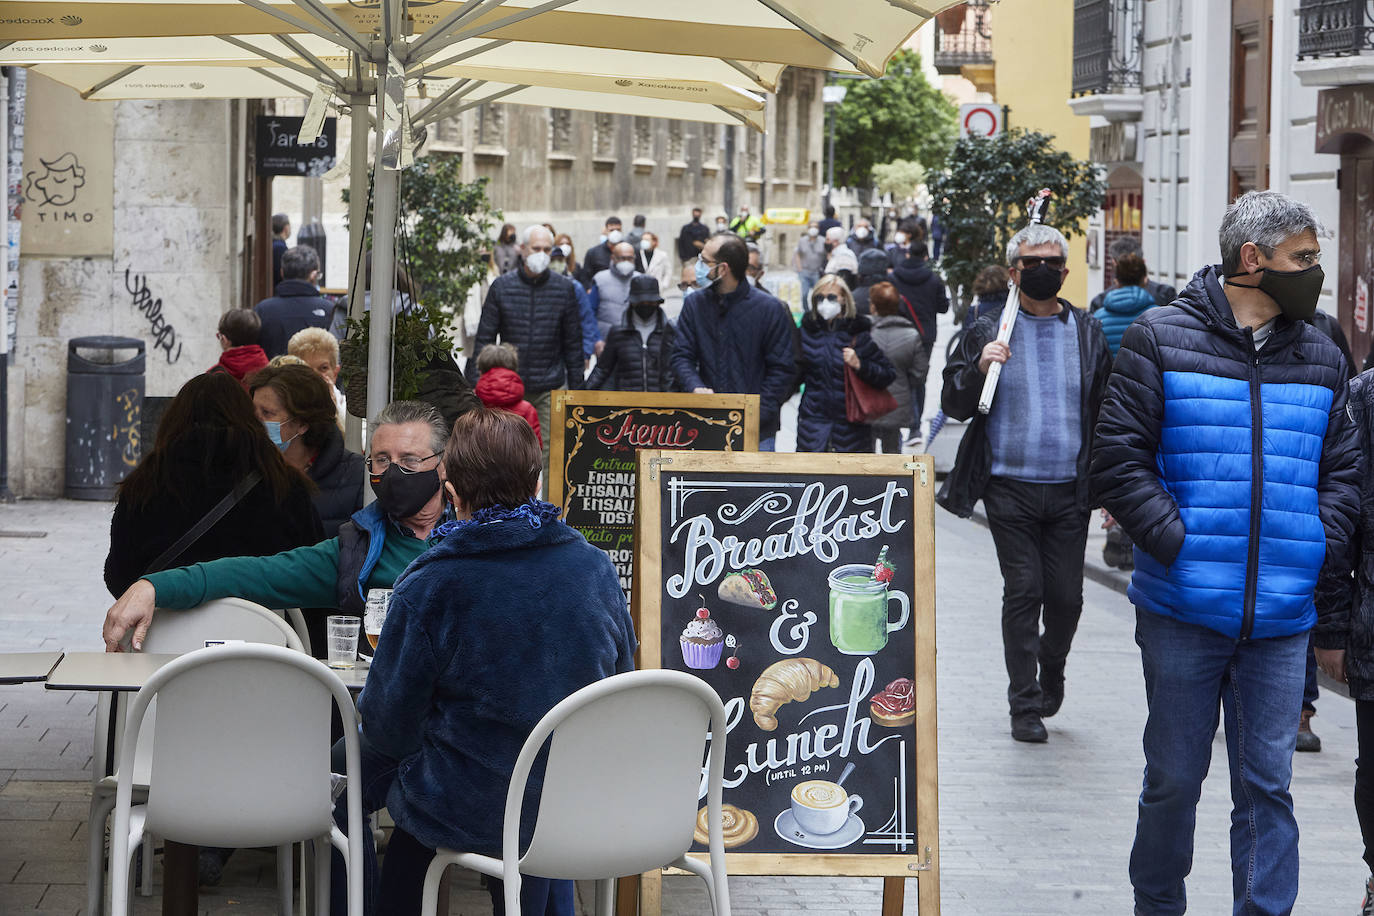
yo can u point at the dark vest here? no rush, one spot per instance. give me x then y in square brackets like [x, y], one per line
[353, 544]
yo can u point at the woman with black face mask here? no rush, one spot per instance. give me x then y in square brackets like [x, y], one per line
[638, 351]
[507, 251]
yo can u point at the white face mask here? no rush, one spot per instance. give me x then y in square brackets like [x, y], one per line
[559, 267]
[861, 233]
[900, 238]
[828, 309]
[566, 249]
[614, 236]
[624, 268]
[813, 231]
[720, 225]
[646, 245]
[537, 261]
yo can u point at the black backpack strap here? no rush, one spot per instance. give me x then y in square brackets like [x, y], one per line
[222, 507]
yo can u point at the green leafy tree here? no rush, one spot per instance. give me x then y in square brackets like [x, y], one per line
[901, 116]
[900, 178]
[980, 197]
[442, 242]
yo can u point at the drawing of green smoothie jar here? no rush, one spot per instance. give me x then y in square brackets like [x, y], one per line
[859, 595]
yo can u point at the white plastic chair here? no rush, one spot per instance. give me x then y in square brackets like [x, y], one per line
[172, 633]
[620, 792]
[240, 757]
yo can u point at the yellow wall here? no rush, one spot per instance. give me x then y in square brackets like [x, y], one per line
[1032, 45]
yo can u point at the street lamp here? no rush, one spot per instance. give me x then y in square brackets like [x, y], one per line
[831, 96]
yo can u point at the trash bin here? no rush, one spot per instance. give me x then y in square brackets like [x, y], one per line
[312, 234]
[104, 410]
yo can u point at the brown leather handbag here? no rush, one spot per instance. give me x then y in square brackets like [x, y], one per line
[862, 402]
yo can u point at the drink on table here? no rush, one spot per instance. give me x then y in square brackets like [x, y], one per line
[374, 614]
[342, 634]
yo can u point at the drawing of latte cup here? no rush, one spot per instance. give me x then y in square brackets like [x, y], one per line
[859, 623]
[821, 807]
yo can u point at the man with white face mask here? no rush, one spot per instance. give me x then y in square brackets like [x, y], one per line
[861, 237]
[809, 259]
[536, 310]
[613, 290]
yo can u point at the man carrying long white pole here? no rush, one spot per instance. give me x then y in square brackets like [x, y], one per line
[1026, 457]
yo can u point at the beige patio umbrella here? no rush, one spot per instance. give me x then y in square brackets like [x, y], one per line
[402, 41]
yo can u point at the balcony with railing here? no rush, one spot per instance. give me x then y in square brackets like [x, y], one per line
[963, 39]
[1108, 46]
[1335, 42]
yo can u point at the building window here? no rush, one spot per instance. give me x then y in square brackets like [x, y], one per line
[491, 126]
[781, 122]
[1108, 42]
[806, 97]
[675, 144]
[644, 139]
[448, 134]
[603, 135]
[560, 130]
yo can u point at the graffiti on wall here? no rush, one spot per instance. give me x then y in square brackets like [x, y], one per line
[163, 333]
[126, 428]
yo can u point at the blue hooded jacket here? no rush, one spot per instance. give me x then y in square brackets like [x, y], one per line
[1120, 307]
[1232, 469]
[499, 621]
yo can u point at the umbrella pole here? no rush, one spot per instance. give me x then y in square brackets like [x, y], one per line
[386, 189]
[357, 227]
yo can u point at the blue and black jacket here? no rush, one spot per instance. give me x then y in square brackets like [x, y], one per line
[1233, 470]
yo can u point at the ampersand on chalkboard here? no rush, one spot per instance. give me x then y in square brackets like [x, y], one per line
[800, 632]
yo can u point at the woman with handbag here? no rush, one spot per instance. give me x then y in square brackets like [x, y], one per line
[212, 462]
[845, 373]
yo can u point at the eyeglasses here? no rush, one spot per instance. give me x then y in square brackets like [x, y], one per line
[683, 287]
[409, 464]
[829, 297]
[1305, 258]
[1030, 263]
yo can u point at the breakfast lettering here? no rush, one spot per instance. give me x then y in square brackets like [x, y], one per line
[817, 526]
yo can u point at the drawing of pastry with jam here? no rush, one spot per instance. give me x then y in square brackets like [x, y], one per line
[748, 587]
[737, 826]
[702, 641]
[895, 705]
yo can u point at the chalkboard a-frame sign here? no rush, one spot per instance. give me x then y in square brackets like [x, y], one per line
[593, 439]
[802, 588]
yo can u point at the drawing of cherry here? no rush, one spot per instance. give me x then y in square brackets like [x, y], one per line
[733, 661]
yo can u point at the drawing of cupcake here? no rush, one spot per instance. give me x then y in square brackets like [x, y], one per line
[702, 641]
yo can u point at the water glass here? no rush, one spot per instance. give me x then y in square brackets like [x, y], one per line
[343, 641]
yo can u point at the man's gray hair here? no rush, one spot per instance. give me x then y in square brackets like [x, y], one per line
[1267, 218]
[398, 412]
[531, 230]
[299, 262]
[1033, 236]
[1126, 244]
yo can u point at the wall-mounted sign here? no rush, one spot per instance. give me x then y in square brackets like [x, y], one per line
[278, 153]
[980, 119]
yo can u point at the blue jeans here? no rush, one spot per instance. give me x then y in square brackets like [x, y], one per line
[808, 283]
[768, 445]
[1190, 671]
[397, 890]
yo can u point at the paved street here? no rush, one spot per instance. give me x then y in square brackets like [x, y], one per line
[1024, 829]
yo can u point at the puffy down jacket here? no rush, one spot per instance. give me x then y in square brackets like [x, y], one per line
[540, 315]
[629, 363]
[821, 421]
[1233, 470]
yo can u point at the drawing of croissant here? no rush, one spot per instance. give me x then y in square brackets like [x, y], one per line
[785, 681]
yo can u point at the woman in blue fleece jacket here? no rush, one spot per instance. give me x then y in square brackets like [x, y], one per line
[508, 613]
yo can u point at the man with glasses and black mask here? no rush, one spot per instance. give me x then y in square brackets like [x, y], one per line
[1027, 459]
[733, 337]
[1225, 451]
[371, 550]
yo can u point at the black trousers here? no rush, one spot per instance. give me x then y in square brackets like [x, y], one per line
[1040, 535]
[1364, 776]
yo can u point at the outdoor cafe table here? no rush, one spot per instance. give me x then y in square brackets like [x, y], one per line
[22, 667]
[127, 672]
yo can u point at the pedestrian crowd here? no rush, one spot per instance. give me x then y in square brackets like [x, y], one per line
[1221, 431]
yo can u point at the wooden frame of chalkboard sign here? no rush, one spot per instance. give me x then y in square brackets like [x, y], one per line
[607, 427]
[802, 587]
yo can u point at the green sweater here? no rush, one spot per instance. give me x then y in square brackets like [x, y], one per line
[304, 577]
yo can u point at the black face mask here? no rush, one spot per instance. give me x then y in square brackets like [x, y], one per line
[402, 495]
[1295, 291]
[645, 310]
[1041, 282]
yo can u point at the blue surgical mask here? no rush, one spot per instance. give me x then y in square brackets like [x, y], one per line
[703, 274]
[274, 433]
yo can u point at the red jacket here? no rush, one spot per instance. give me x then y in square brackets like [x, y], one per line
[241, 362]
[502, 388]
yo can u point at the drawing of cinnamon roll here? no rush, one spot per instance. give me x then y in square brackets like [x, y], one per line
[737, 826]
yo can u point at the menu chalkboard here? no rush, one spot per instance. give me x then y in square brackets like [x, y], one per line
[278, 153]
[801, 587]
[592, 453]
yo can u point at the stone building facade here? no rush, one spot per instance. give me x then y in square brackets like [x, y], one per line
[182, 215]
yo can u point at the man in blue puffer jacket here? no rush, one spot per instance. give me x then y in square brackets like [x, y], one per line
[1224, 450]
